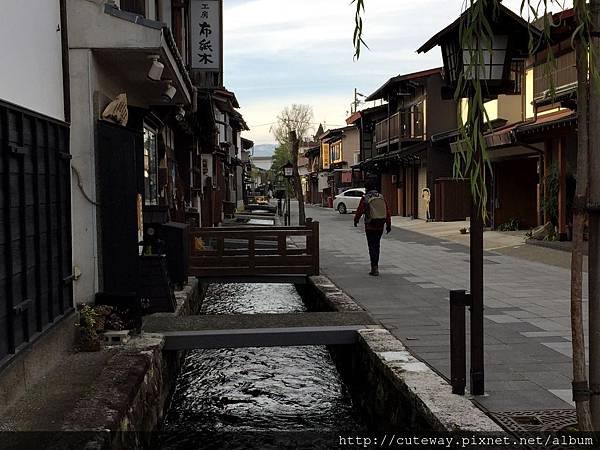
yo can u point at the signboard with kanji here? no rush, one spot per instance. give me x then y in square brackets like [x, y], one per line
[325, 156]
[206, 35]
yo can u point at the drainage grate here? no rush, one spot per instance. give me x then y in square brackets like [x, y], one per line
[537, 421]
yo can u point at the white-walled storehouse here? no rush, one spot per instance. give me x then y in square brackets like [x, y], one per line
[35, 213]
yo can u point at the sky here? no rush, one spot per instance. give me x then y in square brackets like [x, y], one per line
[280, 52]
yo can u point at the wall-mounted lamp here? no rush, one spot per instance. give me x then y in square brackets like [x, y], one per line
[169, 92]
[156, 69]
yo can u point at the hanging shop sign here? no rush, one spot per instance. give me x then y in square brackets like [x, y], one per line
[207, 35]
[325, 155]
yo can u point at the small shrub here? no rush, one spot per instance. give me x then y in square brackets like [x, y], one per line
[513, 224]
[88, 339]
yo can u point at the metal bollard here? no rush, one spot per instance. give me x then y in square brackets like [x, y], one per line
[458, 348]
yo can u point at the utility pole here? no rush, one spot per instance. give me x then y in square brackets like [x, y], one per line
[355, 104]
[594, 216]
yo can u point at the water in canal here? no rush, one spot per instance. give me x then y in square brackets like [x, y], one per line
[254, 397]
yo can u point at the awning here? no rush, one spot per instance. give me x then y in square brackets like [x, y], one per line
[543, 124]
[404, 155]
[565, 95]
[502, 137]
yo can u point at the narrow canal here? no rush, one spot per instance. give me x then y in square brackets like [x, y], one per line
[246, 398]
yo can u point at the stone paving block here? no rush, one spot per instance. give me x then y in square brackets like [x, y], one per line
[515, 400]
[565, 395]
[509, 385]
[548, 380]
[502, 318]
[520, 314]
[542, 334]
[546, 324]
[565, 348]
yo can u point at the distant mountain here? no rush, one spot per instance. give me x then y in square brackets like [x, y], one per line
[264, 149]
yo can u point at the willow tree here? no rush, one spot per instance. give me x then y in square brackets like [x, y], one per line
[473, 161]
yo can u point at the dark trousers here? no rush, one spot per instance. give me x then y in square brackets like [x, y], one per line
[374, 243]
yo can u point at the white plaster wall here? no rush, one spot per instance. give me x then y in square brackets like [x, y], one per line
[85, 238]
[31, 74]
[92, 88]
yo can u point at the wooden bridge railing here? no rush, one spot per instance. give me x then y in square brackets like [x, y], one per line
[254, 251]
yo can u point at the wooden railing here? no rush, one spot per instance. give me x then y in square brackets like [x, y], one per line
[254, 251]
[403, 125]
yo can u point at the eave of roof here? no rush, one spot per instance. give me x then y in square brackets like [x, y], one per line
[562, 118]
[399, 79]
[333, 133]
[365, 112]
[454, 27]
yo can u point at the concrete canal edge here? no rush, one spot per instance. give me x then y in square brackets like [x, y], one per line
[133, 390]
[393, 389]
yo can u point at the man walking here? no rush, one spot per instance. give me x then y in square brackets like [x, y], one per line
[377, 214]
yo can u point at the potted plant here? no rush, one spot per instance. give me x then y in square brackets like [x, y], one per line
[88, 339]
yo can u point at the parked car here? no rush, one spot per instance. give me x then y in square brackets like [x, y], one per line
[348, 200]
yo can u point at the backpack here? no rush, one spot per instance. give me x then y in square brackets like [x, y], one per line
[376, 208]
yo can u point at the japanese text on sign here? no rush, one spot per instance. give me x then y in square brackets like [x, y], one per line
[206, 34]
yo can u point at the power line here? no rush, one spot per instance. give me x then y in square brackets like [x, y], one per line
[310, 123]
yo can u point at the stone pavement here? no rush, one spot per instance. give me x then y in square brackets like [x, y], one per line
[450, 231]
[527, 318]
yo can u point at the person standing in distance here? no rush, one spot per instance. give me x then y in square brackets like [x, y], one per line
[377, 214]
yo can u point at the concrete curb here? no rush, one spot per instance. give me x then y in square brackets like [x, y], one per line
[329, 297]
[426, 391]
[403, 389]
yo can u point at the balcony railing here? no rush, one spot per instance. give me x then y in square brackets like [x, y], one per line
[404, 125]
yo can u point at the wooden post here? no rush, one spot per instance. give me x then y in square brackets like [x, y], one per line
[562, 190]
[309, 244]
[281, 245]
[315, 248]
[476, 266]
[477, 372]
[220, 245]
[546, 195]
[251, 252]
[458, 347]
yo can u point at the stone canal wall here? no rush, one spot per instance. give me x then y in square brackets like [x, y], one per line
[391, 388]
[134, 389]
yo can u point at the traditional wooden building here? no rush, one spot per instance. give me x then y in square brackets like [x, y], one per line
[313, 156]
[342, 146]
[534, 150]
[397, 146]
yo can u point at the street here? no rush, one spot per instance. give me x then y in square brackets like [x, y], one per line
[527, 319]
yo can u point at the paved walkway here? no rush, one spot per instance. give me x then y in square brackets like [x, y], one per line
[527, 318]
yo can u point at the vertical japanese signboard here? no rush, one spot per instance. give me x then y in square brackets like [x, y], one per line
[206, 32]
[325, 155]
